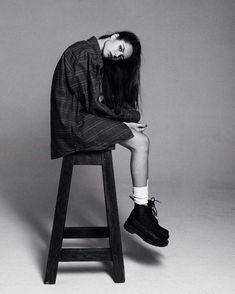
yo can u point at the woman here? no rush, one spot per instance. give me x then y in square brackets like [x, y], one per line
[94, 104]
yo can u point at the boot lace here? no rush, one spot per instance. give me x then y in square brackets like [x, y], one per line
[153, 206]
[152, 201]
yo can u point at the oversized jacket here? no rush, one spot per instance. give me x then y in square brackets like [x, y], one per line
[80, 120]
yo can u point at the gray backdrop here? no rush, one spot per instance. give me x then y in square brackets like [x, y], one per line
[187, 90]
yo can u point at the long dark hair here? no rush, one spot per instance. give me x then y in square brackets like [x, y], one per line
[121, 79]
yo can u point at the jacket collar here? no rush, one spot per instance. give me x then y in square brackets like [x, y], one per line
[93, 42]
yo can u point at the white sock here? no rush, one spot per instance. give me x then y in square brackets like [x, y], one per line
[140, 195]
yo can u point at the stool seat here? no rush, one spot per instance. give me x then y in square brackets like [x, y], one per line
[112, 231]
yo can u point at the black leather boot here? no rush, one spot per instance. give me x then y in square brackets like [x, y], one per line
[152, 207]
[140, 222]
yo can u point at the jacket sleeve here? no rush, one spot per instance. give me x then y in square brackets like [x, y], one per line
[128, 114]
[75, 124]
[67, 116]
[69, 93]
[72, 105]
[83, 82]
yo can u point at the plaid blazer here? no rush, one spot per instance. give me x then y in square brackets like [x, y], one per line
[80, 120]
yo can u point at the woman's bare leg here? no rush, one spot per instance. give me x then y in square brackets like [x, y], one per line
[139, 162]
[141, 220]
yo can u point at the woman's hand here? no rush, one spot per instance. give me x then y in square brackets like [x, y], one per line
[139, 127]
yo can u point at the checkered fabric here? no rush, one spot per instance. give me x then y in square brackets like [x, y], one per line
[80, 120]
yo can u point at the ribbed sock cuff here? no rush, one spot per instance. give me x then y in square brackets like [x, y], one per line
[140, 195]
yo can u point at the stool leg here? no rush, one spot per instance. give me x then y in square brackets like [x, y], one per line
[112, 217]
[59, 220]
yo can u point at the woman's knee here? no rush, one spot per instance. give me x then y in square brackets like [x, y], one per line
[140, 141]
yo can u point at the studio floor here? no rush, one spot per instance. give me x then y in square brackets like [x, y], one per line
[199, 259]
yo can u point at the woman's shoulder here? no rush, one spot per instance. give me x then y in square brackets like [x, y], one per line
[83, 49]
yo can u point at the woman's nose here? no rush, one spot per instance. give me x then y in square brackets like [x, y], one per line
[116, 55]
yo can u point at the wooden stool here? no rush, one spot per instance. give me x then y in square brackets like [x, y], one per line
[112, 231]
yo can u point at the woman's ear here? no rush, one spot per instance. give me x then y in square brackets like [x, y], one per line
[114, 36]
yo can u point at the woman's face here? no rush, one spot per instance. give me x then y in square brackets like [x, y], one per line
[115, 49]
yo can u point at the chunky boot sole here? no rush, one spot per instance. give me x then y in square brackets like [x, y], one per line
[133, 230]
[164, 232]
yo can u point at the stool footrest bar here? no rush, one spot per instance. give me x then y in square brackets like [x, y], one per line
[85, 232]
[85, 254]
